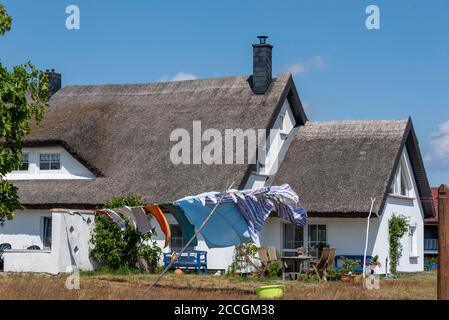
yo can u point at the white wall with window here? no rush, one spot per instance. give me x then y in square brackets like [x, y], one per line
[49, 163]
[28, 228]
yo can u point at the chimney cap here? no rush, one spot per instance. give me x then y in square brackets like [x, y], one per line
[262, 39]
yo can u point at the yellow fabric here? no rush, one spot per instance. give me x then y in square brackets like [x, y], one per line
[163, 223]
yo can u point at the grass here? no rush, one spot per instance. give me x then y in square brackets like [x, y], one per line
[102, 285]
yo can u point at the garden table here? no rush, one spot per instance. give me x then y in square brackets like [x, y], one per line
[300, 258]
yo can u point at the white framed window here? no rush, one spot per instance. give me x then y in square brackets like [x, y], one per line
[402, 184]
[317, 236]
[281, 122]
[49, 161]
[177, 239]
[413, 242]
[46, 232]
[25, 162]
[293, 238]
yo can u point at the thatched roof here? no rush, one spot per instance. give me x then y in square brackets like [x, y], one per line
[122, 134]
[337, 166]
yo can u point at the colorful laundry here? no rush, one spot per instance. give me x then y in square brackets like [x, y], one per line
[256, 205]
[187, 228]
[162, 220]
[239, 217]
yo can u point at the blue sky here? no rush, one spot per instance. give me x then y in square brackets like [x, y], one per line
[342, 70]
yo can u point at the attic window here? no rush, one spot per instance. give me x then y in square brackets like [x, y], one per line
[50, 161]
[402, 183]
[281, 122]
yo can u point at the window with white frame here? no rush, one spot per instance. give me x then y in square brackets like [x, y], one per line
[50, 161]
[402, 184]
[317, 236]
[47, 229]
[413, 242]
[293, 238]
[177, 239]
[281, 122]
[25, 163]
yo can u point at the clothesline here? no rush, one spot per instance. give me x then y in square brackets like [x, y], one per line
[238, 219]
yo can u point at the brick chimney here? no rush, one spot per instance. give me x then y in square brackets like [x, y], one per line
[262, 52]
[54, 82]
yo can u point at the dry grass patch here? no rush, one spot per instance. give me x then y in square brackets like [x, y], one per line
[190, 286]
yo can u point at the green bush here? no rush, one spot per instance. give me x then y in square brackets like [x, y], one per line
[116, 249]
[397, 228]
[273, 269]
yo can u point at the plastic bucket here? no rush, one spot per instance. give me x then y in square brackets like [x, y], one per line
[270, 292]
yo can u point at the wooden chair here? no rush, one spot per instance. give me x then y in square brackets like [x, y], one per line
[330, 260]
[319, 266]
[266, 255]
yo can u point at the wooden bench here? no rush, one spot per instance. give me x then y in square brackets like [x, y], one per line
[196, 260]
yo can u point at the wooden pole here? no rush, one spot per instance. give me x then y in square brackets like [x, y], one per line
[443, 242]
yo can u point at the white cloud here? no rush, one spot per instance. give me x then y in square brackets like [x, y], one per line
[180, 76]
[306, 66]
[439, 143]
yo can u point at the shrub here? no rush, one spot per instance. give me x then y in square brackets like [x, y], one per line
[273, 269]
[120, 249]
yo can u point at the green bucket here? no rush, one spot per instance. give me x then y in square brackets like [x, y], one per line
[270, 292]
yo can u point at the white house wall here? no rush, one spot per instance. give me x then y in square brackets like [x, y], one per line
[70, 245]
[25, 230]
[71, 169]
[411, 208]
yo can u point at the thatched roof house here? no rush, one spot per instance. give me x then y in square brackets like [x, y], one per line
[339, 165]
[99, 141]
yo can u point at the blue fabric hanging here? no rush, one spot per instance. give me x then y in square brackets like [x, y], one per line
[226, 228]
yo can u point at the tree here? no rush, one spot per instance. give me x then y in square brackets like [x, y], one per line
[23, 98]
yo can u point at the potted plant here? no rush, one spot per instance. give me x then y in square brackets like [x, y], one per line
[374, 263]
[346, 272]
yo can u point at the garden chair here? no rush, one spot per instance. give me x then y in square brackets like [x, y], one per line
[266, 255]
[319, 266]
[330, 260]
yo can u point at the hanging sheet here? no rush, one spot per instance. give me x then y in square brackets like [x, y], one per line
[163, 223]
[226, 228]
[253, 205]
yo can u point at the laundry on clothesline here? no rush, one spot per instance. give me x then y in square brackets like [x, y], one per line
[161, 219]
[238, 218]
[248, 210]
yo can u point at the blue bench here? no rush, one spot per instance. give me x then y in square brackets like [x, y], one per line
[358, 258]
[196, 260]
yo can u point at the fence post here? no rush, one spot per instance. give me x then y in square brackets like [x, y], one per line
[443, 242]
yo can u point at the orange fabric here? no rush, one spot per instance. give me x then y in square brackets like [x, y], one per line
[163, 223]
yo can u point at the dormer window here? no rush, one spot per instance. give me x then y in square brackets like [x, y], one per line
[50, 161]
[25, 163]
